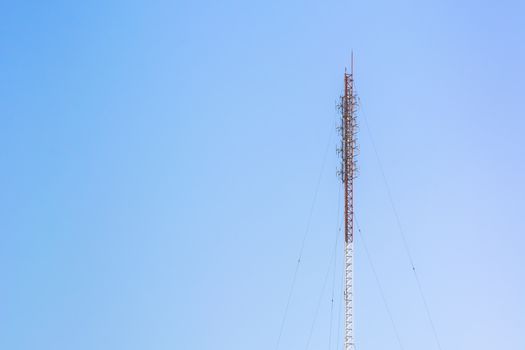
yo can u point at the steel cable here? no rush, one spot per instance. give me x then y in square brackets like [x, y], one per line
[305, 235]
[403, 237]
[379, 286]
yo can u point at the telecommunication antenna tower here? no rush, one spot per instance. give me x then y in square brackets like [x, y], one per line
[348, 172]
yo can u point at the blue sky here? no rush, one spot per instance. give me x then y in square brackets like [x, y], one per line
[160, 160]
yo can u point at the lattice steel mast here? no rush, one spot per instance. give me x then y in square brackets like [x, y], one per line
[348, 173]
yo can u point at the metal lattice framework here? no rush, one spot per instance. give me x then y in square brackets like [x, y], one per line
[348, 172]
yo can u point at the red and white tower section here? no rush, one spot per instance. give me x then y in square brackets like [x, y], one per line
[348, 152]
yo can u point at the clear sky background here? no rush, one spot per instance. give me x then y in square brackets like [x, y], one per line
[160, 158]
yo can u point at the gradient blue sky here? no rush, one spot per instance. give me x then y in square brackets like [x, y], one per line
[159, 160]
